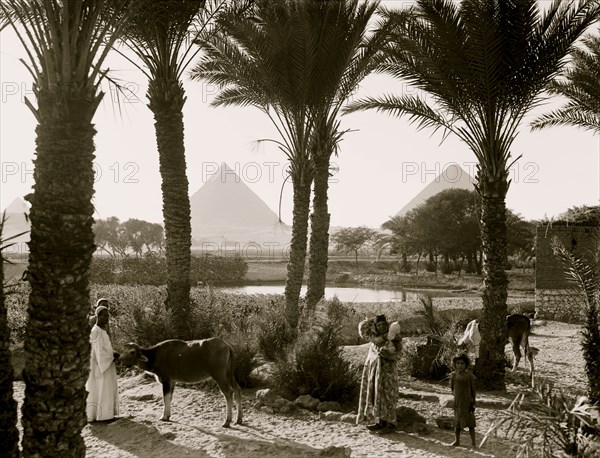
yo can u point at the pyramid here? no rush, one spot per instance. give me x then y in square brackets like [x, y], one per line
[17, 222]
[452, 177]
[225, 211]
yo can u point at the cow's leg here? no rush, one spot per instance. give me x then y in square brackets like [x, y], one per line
[227, 391]
[516, 347]
[168, 388]
[237, 391]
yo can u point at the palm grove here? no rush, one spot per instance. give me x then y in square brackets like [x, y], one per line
[483, 64]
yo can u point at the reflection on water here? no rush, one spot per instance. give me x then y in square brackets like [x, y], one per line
[349, 294]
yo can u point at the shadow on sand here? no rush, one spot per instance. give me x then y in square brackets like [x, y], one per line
[139, 439]
[143, 439]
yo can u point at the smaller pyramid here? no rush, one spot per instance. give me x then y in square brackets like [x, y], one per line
[452, 177]
[17, 222]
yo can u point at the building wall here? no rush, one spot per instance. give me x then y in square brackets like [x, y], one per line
[555, 297]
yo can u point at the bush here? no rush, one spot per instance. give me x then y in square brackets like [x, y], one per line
[145, 323]
[152, 270]
[209, 268]
[245, 360]
[553, 424]
[316, 366]
[273, 333]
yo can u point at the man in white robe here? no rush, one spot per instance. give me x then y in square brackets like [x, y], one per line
[103, 396]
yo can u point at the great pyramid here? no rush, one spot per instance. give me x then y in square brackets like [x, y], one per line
[226, 211]
[452, 177]
[17, 222]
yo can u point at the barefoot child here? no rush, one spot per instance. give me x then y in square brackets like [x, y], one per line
[462, 384]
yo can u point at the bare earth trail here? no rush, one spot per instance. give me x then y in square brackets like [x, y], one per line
[195, 429]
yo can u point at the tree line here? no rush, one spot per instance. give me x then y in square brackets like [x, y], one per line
[117, 238]
[446, 227]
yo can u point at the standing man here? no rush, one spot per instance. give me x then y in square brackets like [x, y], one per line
[103, 396]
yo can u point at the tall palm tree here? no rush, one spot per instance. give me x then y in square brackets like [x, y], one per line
[483, 65]
[161, 36]
[66, 43]
[581, 86]
[266, 59]
[349, 55]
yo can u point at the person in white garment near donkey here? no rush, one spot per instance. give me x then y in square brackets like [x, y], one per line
[103, 397]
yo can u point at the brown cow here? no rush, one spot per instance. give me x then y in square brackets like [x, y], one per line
[174, 361]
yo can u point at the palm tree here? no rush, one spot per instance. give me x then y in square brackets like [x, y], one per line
[349, 55]
[581, 87]
[483, 65]
[161, 36]
[584, 274]
[9, 442]
[306, 94]
[266, 59]
[66, 44]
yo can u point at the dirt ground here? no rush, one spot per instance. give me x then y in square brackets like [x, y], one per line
[198, 413]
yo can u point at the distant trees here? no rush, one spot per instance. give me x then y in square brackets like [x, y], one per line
[585, 214]
[120, 239]
[447, 225]
[353, 239]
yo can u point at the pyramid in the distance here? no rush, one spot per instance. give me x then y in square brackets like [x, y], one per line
[226, 210]
[452, 177]
[17, 222]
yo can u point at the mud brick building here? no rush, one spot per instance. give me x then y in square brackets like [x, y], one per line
[555, 296]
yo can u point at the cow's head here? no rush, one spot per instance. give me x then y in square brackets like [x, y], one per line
[132, 354]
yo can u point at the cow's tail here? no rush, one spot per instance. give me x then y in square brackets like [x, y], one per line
[231, 367]
[526, 338]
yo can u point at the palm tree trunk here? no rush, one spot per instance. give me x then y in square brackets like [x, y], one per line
[167, 98]
[60, 253]
[9, 439]
[490, 367]
[295, 267]
[319, 237]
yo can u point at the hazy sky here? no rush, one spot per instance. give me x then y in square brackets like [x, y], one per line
[384, 162]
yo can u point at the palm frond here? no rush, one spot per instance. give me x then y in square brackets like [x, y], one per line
[66, 42]
[568, 116]
[579, 271]
[414, 107]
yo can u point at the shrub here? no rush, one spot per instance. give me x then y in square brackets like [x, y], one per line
[245, 360]
[433, 360]
[144, 323]
[273, 333]
[431, 267]
[103, 270]
[209, 268]
[446, 268]
[152, 270]
[316, 366]
[553, 424]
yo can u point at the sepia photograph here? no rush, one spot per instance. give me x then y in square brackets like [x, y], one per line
[300, 228]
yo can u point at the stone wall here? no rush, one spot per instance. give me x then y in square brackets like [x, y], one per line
[565, 305]
[555, 297]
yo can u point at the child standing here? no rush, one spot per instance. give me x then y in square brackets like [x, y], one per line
[462, 384]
